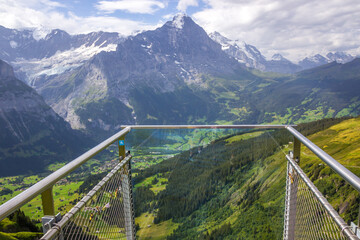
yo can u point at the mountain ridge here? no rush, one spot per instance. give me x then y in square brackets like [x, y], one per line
[32, 134]
[38, 54]
[177, 74]
[152, 78]
[161, 61]
[252, 57]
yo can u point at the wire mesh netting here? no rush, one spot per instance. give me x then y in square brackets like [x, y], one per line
[306, 216]
[104, 213]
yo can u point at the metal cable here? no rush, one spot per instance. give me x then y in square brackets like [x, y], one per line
[100, 214]
[313, 217]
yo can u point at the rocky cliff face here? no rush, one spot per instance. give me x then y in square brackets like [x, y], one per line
[32, 134]
[175, 56]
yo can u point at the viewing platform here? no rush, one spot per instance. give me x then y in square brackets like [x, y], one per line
[108, 209]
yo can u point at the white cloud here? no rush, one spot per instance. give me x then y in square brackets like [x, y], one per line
[34, 13]
[294, 28]
[132, 6]
[184, 4]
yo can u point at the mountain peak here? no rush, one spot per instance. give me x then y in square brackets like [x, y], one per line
[340, 57]
[277, 57]
[217, 37]
[41, 32]
[6, 70]
[57, 33]
[180, 21]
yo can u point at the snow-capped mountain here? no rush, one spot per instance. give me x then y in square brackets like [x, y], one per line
[40, 53]
[175, 57]
[241, 51]
[318, 60]
[281, 65]
[339, 57]
[174, 74]
[313, 61]
[252, 57]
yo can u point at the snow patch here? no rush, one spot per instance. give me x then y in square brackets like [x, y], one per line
[13, 44]
[178, 21]
[241, 44]
[41, 33]
[60, 62]
[317, 58]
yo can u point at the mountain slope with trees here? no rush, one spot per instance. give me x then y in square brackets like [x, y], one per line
[234, 189]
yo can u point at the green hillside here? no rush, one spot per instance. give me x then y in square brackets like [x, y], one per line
[234, 188]
[324, 92]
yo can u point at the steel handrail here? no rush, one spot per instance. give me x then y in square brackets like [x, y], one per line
[345, 173]
[206, 126]
[24, 197]
[323, 201]
[65, 219]
[18, 201]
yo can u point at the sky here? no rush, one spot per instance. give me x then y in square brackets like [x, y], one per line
[293, 28]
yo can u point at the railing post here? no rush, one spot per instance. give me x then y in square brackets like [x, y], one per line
[127, 193]
[291, 194]
[48, 209]
[48, 202]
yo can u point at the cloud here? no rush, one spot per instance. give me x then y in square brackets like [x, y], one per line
[132, 6]
[295, 28]
[34, 13]
[184, 4]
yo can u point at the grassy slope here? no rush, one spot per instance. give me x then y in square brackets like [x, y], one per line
[341, 141]
[256, 198]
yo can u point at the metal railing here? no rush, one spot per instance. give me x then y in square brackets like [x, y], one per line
[296, 181]
[47, 183]
[104, 213]
[345, 173]
[308, 215]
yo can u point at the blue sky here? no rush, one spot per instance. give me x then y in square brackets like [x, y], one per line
[293, 28]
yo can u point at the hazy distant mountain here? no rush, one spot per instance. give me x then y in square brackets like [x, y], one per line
[330, 90]
[252, 57]
[280, 64]
[339, 57]
[241, 51]
[32, 134]
[38, 54]
[318, 60]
